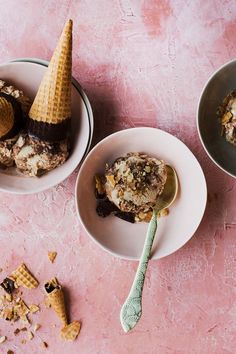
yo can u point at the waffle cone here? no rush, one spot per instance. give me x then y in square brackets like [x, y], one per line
[52, 103]
[71, 331]
[24, 278]
[57, 302]
[6, 117]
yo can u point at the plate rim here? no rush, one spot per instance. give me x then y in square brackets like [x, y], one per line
[89, 140]
[131, 258]
[198, 117]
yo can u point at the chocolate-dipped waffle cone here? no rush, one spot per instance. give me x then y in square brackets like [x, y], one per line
[23, 277]
[10, 116]
[56, 299]
[50, 113]
[71, 331]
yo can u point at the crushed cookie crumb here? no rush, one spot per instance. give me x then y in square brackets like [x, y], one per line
[10, 352]
[24, 329]
[34, 308]
[16, 331]
[44, 345]
[30, 335]
[52, 256]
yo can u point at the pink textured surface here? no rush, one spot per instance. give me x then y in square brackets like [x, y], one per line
[141, 63]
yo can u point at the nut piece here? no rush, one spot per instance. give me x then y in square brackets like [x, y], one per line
[163, 212]
[30, 335]
[52, 256]
[34, 308]
[36, 327]
[3, 339]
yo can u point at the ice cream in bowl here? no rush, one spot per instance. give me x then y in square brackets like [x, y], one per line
[118, 186]
[44, 123]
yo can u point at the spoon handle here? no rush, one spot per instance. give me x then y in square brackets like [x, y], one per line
[131, 311]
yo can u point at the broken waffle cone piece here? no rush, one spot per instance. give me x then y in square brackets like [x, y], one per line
[71, 331]
[24, 278]
[50, 113]
[56, 299]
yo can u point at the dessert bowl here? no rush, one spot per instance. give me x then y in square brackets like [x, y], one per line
[27, 76]
[124, 239]
[220, 84]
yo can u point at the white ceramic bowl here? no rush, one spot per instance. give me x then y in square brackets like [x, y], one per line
[126, 240]
[27, 76]
[221, 83]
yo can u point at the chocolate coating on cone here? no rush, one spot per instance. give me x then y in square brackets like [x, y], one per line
[47, 131]
[52, 104]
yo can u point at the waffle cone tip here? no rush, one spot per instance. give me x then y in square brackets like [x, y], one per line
[52, 103]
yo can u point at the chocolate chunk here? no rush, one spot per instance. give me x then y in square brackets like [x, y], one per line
[99, 196]
[105, 208]
[41, 172]
[130, 217]
[49, 287]
[8, 285]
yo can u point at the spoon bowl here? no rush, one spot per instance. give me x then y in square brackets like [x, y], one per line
[170, 190]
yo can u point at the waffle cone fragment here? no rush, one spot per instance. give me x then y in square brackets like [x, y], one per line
[71, 331]
[52, 103]
[56, 299]
[6, 117]
[23, 277]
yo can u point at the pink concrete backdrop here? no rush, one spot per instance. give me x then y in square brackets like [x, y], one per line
[141, 63]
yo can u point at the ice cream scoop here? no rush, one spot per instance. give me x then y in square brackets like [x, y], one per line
[134, 182]
[34, 157]
[10, 116]
[131, 311]
[228, 117]
[11, 121]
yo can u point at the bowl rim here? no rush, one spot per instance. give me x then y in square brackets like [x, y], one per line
[89, 110]
[198, 116]
[106, 249]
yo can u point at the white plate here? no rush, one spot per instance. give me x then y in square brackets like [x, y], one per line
[27, 76]
[126, 240]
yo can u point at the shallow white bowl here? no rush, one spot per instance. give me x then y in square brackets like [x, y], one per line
[126, 240]
[27, 76]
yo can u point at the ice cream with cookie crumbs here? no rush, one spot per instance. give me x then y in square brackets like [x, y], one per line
[34, 157]
[132, 184]
[227, 113]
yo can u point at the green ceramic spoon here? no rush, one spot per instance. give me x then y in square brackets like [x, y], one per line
[131, 311]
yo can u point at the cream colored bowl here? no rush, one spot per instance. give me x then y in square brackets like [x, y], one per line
[27, 76]
[126, 240]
